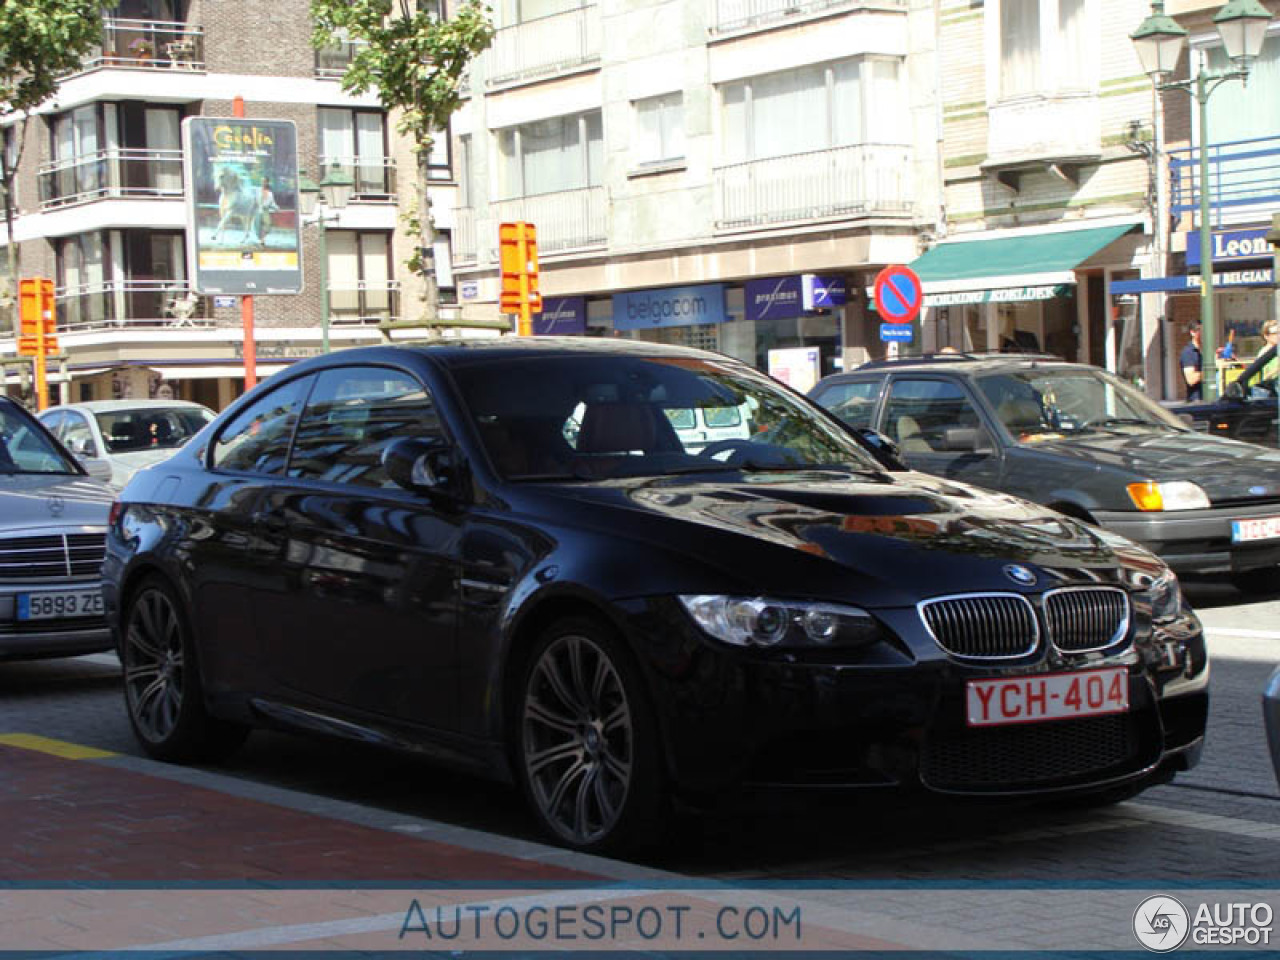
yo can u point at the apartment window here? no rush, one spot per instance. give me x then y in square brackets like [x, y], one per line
[443, 249]
[360, 286]
[77, 149]
[83, 271]
[814, 108]
[1245, 112]
[1044, 45]
[522, 11]
[356, 140]
[548, 156]
[439, 160]
[659, 129]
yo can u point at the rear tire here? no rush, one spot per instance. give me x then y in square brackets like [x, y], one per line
[163, 691]
[585, 741]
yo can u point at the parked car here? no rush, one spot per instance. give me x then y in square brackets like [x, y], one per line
[1083, 442]
[53, 521]
[1253, 418]
[125, 434]
[410, 546]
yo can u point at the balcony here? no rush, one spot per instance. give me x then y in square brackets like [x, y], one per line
[1242, 173]
[1041, 131]
[372, 178]
[857, 181]
[364, 301]
[734, 15]
[332, 61]
[541, 48]
[567, 220]
[149, 45]
[111, 173]
[128, 303]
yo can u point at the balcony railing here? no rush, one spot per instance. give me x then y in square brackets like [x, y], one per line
[546, 46]
[111, 173]
[566, 220]
[127, 303]
[149, 44]
[1044, 127]
[734, 15]
[373, 178]
[1241, 173]
[465, 242]
[332, 61]
[862, 180]
[365, 301]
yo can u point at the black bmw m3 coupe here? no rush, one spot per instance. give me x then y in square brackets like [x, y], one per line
[520, 557]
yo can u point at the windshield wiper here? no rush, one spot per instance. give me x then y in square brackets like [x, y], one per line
[1119, 422]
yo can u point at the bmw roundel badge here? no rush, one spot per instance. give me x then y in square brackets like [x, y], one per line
[1020, 574]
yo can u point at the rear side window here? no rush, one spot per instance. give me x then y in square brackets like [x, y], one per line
[257, 441]
[919, 413]
[851, 402]
[350, 418]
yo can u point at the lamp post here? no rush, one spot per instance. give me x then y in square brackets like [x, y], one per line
[1159, 40]
[316, 200]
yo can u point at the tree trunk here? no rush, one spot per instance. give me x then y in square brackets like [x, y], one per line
[427, 239]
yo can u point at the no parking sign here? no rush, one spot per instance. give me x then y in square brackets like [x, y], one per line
[898, 294]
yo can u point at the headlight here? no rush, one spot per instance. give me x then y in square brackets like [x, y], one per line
[1166, 597]
[760, 622]
[1175, 495]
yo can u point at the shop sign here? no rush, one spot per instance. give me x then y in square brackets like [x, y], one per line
[561, 316]
[1228, 245]
[1003, 295]
[469, 290]
[1229, 278]
[773, 298]
[819, 292]
[669, 307]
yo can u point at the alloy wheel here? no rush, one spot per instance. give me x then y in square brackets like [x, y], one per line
[577, 739]
[153, 665]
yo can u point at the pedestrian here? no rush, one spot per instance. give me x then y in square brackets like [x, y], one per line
[1192, 366]
[1265, 366]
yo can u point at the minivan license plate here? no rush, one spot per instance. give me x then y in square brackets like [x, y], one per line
[1259, 528]
[1052, 696]
[56, 604]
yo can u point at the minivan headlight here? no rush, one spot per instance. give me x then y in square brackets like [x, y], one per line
[762, 622]
[1174, 495]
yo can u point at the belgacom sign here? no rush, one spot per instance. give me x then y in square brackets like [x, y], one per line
[242, 205]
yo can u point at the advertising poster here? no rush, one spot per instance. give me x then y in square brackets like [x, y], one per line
[797, 367]
[242, 205]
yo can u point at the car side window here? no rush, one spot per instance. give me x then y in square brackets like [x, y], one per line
[851, 402]
[257, 440]
[53, 422]
[77, 437]
[919, 412]
[350, 418]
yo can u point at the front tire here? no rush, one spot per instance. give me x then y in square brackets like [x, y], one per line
[163, 692]
[586, 742]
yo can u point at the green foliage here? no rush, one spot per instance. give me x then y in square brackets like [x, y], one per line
[40, 42]
[411, 59]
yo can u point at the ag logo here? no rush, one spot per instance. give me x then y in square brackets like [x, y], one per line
[1161, 923]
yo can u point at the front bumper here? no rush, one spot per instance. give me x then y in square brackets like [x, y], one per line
[1197, 541]
[735, 718]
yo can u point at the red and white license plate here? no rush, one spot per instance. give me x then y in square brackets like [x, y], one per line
[1259, 528]
[1052, 696]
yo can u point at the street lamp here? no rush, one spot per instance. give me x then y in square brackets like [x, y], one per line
[316, 200]
[1242, 26]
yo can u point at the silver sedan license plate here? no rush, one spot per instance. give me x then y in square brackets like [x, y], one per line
[58, 604]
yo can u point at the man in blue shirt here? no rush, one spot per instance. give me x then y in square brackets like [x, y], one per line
[1190, 362]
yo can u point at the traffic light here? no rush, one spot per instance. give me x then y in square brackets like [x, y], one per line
[518, 248]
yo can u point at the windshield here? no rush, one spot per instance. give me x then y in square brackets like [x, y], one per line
[24, 448]
[150, 428]
[1040, 404]
[595, 417]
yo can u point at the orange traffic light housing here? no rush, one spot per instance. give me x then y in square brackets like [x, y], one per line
[518, 255]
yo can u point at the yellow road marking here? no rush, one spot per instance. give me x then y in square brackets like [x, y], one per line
[59, 748]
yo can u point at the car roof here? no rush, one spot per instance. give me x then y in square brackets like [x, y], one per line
[107, 406]
[965, 363]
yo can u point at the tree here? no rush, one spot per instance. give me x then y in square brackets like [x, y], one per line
[41, 41]
[414, 60]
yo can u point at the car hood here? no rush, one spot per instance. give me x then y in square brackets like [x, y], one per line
[905, 538]
[137, 459]
[1225, 469]
[39, 502]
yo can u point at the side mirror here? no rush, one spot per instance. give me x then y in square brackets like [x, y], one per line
[962, 439]
[420, 465]
[82, 446]
[882, 448]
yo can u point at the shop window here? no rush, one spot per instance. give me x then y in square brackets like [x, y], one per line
[659, 129]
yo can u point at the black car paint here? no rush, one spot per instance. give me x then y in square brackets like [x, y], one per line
[1253, 419]
[287, 639]
[1086, 475]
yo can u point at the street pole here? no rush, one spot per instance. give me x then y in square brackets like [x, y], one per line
[1208, 332]
[322, 223]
